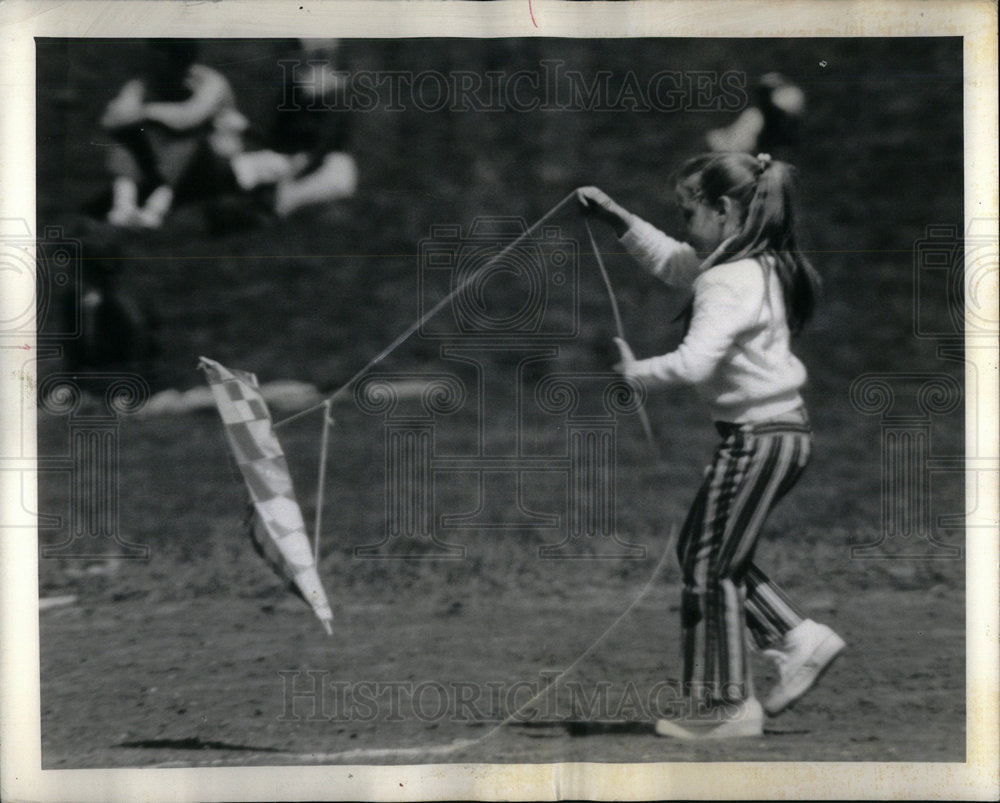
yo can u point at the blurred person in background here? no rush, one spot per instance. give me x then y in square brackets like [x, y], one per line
[116, 331]
[306, 161]
[772, 124]
[175, 128]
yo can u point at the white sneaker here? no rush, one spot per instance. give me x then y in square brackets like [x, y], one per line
[741, 720]
[124, 200]
[808, 651]
[156, 207]
[122, 215]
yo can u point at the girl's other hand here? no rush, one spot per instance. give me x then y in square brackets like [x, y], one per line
[596, 203]
[626, 365]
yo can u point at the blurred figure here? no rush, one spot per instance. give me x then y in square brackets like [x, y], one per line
[175, 129]
[306, 162]
[770, 125]
[116, 330]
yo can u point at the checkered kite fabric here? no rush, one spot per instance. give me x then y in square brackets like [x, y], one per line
[262, 462]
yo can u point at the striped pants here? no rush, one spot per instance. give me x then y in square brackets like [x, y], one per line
[725, 594]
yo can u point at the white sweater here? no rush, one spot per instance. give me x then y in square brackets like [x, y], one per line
[736, 352]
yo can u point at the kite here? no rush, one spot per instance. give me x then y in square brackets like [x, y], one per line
[277, 527]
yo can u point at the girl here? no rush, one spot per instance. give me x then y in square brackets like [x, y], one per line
[751, 294]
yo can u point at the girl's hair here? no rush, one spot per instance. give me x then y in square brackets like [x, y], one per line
[763, 190]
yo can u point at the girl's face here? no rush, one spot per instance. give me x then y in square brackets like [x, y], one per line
[706, 225]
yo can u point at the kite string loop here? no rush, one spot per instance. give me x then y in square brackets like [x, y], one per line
[667, 550]
[641, 411]
[464, 744]
[406, 334]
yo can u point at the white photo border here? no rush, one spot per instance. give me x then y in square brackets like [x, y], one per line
[20, 747]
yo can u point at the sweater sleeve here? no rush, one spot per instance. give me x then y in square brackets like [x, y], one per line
[720, 316]
[670, 260]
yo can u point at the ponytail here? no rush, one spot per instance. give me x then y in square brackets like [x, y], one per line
[764, 190]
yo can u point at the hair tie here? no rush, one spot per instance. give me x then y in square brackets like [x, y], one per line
[764, 161]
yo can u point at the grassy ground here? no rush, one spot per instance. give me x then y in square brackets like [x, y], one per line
[314, 297]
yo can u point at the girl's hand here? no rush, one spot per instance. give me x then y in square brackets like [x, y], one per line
[626, 365]
[596, 203]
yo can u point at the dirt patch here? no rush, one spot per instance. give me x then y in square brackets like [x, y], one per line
[222, 681]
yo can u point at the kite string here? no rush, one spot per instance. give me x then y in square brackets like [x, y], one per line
[643, 417]
[668, 548]
[464, 744]
[607, 280]
[406, 334]
[321, 481]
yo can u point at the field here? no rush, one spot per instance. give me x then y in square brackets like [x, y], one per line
[189, 657]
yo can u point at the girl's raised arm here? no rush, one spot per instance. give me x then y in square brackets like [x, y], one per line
[669, 260]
